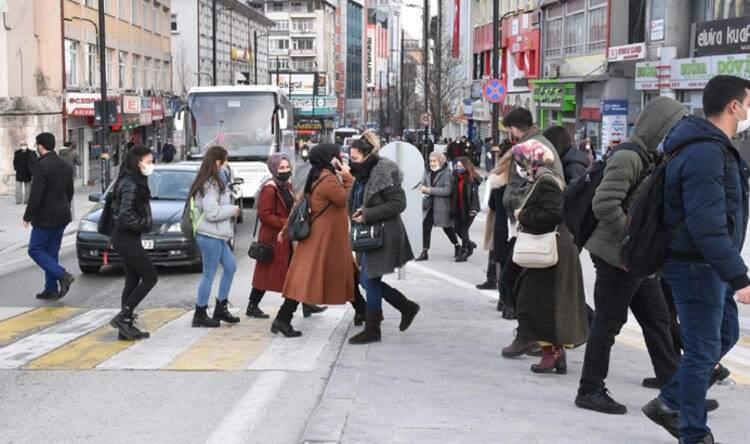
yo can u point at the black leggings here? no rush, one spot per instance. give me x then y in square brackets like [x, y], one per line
[140, 273]
[462, 229]
[427, 225]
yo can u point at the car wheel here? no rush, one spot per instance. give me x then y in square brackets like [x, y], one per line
[89, 269]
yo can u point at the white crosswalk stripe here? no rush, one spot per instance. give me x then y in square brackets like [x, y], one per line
[36, 345]
[9, 312]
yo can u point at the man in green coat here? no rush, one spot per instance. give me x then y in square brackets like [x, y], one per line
[616, 290]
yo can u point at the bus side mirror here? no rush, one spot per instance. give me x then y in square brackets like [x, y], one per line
[179, 119]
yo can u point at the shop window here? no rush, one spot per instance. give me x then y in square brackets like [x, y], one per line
[637, 21]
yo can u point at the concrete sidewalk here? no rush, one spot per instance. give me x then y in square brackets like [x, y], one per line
[14, 237]
[444, 381]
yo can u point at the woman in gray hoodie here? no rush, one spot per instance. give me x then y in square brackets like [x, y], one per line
[213, 221]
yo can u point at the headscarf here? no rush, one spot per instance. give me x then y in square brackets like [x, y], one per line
[285, 188]
[320, 159]
[274, 161]
[532, 155]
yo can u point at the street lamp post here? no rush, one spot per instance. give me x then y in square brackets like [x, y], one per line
[213, 39]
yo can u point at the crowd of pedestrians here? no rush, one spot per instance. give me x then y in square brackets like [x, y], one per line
[343, 233]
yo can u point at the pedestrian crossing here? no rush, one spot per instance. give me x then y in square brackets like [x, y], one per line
[66, 338]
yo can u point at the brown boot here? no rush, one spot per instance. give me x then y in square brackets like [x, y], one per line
[553, 361]
[519, 348]
[371, 333]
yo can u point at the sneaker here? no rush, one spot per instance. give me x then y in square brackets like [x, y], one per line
[47, 295]
[652, 383]
[600, 401]
[664, 416]
[719, 374]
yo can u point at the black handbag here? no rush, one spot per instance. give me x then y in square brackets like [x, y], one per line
[364, 237]
[260, 251]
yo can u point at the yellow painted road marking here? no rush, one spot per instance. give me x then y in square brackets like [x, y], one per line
[32, 321]
[230, 347]
[101, 344]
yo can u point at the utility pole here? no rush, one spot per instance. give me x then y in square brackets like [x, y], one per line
[213, 37]
[103, 75]
[425, 63]
[401, 88]
[439, 70]
[495, 66]
[255, 55]
[231, 46]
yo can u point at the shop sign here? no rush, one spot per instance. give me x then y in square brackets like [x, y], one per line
[636, 51]
[657, 30]
[324, 105]
[82, 104]
[733, 65]
[554, 95]
[480, 111]
[131, 105]
[692, 73]
[157, 108]
[145, 116]
[296, 84]
[307, 125]
[646, 75]
[614, 121]
[730, 36]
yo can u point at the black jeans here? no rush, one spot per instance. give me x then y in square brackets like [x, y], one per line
[462, 229]
[491, 267]
[427, 223]
[615, 291]
[140, 273]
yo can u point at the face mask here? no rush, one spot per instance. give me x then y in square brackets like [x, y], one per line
[357, 168]
[284, 176]
[147, 170]
[24, 148]
[743, 125]
[522, 172]
[460, 170]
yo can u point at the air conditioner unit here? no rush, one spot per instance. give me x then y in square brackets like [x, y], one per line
[551, 70]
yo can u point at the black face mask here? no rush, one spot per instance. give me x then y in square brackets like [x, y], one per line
[357, 168]
[283, 177]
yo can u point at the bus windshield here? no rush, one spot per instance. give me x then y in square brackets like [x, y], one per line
[240, 122]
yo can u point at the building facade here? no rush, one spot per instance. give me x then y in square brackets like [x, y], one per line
[31, 79]
[303, 61]
[354, 36]
[242, 43]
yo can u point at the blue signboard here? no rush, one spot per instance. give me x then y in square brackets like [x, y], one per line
[614, 107]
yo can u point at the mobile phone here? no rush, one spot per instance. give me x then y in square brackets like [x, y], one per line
[336, 163]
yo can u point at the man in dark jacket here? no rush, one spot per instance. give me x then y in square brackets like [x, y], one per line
[706, 207]
[23, 162]
[168, 152]
[616, 290]
[48, 212]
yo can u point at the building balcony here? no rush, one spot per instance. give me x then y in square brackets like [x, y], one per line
[303, 52]
[279, 52]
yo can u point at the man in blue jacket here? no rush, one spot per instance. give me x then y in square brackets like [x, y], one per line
[706, 208]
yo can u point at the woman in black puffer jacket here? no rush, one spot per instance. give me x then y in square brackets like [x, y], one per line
[131, 211]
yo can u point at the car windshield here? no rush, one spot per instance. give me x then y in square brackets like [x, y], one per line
[170, 184]
[240, 122]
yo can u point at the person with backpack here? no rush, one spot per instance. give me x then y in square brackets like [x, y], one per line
[437, 188]
[520, 125]
[705, 210]
[616, 289]
[317, 272]
[575, 162]
[549, 298]
[465, 204]
[375, 205]
[214, 230]
[131, 214]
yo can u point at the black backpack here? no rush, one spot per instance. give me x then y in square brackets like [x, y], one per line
[301, 219]
[578, 211]
[647, 238]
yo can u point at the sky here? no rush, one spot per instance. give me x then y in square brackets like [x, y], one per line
[412, 17]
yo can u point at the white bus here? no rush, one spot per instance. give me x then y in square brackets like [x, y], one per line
[339, 134]
[251, 122]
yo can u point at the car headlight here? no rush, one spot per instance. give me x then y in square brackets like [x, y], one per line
[88, 226]
[174, 228]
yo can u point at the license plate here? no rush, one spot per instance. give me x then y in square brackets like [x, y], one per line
[148, 244]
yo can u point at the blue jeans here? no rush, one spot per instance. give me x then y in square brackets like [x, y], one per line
[375, 288]
[44, 249]
[215, 251]
[709, 328]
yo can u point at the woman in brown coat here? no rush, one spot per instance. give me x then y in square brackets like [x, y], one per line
[322, 267]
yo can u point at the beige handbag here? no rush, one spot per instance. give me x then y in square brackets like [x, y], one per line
[535, 250]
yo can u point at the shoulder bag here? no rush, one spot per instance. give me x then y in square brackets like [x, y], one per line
[261, 251]
[535, 250]
[365, 237]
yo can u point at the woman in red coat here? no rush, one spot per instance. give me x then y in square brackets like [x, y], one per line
[275, 201]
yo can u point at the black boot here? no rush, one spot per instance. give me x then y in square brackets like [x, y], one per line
[371, 333]
[500, 305]
[221, 313]
[360, 307]
[254, 311]
[456, 251]
[422, 257]
[65, 283]
[463, 255]
[308, 309]
[201, 319]
[407, 308]
[123, 322]
[285, 328]
[489, 284]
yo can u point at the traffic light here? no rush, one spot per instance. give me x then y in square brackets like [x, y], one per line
[111, 112]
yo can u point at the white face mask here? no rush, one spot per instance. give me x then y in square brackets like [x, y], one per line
[521, 172]
[24, 147]
[147, 170]
[743, 125]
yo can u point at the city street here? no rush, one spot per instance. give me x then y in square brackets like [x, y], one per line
[64, 376]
